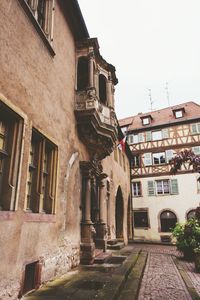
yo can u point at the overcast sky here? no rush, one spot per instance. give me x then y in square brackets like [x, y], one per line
[150, 42]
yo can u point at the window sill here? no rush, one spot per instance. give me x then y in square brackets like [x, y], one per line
[7, 215]
[144, 228]
[38, 217]
[37, 27]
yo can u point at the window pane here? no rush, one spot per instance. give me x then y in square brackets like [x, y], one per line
[141, 219]
[157, 135]
[159, 158]
[145, 121]
[179, 113]
[166, 187]
[159, 187]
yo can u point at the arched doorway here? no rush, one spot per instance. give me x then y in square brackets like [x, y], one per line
[119, 214]
[168, 221]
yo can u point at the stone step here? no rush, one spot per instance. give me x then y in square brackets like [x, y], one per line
[102, 257]
[117, 246]
[112, 242]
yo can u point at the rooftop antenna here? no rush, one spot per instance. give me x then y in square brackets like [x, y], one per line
[167, 92]
[150, 99]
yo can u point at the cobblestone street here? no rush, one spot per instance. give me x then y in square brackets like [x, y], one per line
[151, 272]
[161, 279]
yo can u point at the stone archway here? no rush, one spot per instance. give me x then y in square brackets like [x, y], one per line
[119, 214]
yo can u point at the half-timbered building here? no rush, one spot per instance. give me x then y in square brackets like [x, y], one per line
[160, 199]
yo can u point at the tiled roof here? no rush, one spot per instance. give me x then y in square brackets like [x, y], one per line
[163, 116]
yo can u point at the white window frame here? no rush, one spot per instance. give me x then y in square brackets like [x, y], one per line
[178, 113]
[163, 187]
[160, 163]
[156, 135]
[136, 189]
[146, 121]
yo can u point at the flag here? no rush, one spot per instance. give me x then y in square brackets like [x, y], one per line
[121, 144]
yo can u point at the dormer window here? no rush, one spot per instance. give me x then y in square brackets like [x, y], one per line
[179, 113]
[146, 120]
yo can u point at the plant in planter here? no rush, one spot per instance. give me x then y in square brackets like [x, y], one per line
[187, 237]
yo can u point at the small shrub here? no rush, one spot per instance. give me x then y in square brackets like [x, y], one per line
[187, 237]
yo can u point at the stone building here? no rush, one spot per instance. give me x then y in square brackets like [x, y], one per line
[59, 183]
[160, 199]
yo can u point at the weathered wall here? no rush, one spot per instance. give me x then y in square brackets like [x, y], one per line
[42, 89]
[186, 200]
[119, 176]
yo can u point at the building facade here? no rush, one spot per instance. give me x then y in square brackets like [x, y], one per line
[59, 182]
[160, 199]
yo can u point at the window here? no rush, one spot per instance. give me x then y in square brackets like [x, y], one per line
[191, 214]
[42, 10]
[136, 189]
[10, 149]
[168, 221]
[159, 158]
[145, 121]
[162, 187]
[41, 185]
[82, 74]
[102, 88]
[124, 129]
[195, 128]
[141, 219]
[178, 113]
[196, 150]
[135, 161]
[156, 135]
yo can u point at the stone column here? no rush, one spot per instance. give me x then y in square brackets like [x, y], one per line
[109, 92]
[101, 226]
[87, 228]
[91, 69]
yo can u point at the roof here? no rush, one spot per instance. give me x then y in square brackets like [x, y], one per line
[162, 117]
[74, 17]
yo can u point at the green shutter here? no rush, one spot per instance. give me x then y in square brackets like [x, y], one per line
[130, 139]
[148, 136]
[151, 188]
[174, 186]
[169, 155]
[165, 133]
[194, 128]
[147, 159]
[140, 137]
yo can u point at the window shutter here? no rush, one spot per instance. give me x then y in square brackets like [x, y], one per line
[174, 186]
[194, 128]
[165, 133]
[148, 136]
[151, 188]
[147, 159]
[130, 139]
[169, 155]
[196, 150]
[140, 137]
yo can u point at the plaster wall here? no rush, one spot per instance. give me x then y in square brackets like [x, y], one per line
[187, 199]
[41, 87]
[119, 176]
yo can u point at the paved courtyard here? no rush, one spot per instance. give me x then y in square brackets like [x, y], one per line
[149, 272]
